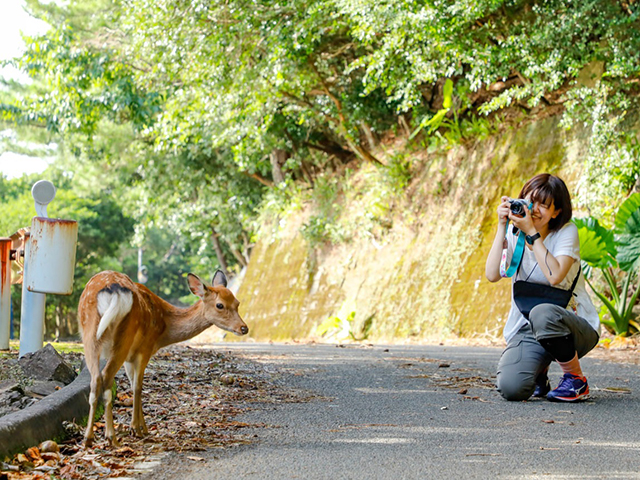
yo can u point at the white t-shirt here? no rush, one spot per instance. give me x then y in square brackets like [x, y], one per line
[563, 242]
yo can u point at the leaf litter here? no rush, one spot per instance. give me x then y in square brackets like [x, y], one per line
[441, 375]
[190, 398]
[459, 378]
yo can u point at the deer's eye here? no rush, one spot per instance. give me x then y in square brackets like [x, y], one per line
[219, 306]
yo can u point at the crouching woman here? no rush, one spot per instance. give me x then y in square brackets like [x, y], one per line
[552, 316]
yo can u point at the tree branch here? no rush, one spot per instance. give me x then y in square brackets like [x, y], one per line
[257, 177]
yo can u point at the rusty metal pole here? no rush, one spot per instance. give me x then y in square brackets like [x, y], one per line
[51, 256]
[5, 292]
[32, 312]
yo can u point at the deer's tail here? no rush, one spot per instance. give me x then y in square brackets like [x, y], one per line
[114, 303]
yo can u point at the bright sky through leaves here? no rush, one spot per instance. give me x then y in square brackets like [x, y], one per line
[13, 21]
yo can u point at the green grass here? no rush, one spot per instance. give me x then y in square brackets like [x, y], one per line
[68, 347]
[61, 347]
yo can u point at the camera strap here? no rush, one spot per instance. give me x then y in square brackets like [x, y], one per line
[516, 257]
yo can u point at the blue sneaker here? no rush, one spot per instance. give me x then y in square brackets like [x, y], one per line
[542, 386]
[571, 389]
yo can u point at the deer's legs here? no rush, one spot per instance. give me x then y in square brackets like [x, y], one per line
[96, 386]
[110, 431]
[93, 364]
[128, 368]
[135, 372]
[108, 377]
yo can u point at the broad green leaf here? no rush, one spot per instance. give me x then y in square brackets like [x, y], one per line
[609, 323]
[597, 246]
[628, 207]
[447, 91]
[331, 323]
[433, 123]
[629, 243]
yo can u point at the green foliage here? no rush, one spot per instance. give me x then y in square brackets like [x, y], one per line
[545, 43]
[181, 114]
[438, 119]
[315, 75]
[322, 226]
[342, 326]
[612, 166]
[89, 85]
[102, 230]
[616, 254]
[597, 245]
[398, 172]
[276, 72]
[168, 258]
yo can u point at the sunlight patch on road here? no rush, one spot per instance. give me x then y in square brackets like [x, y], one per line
[392, 390]
[568, 476]
[385, 441]
[618, 445]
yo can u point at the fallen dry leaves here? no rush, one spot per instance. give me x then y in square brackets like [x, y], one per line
[440, 374]
[190, 397]
[618, 349]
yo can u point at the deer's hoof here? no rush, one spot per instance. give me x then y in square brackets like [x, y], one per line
[88, 442]
[139, 432]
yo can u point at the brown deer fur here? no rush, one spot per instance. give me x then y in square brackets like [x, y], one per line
[124, 322]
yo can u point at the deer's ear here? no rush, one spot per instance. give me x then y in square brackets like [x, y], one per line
[196, 285]
[219, 279]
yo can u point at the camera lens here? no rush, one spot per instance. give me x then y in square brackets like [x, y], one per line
[517, 207]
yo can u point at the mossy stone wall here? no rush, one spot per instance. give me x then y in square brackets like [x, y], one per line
[426, 280]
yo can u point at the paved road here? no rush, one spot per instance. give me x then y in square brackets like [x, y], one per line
[400, 412]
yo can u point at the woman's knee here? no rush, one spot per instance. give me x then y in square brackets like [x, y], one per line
[515, 390]
[546, 316]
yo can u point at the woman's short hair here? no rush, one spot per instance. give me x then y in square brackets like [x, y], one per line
[545, 189]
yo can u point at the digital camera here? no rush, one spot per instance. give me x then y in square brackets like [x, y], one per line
[518, 206]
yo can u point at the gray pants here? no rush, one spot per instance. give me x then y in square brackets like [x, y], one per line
[525, 359]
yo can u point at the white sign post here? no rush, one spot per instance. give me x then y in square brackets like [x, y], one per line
[31, 312]
[32, 306]
[49, 261]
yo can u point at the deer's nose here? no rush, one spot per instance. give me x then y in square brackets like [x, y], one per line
[244, 330]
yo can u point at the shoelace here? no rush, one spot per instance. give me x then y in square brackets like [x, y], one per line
[567, 381]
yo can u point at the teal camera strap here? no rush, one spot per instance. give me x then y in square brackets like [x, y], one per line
[515, 259]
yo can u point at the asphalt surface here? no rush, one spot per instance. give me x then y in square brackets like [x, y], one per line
[402, 412]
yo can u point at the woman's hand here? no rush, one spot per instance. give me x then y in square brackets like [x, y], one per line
[492, 266]
[504, 210]
[525, 223]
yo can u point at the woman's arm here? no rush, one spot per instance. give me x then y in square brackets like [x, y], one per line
[555, 269]
[492, 266]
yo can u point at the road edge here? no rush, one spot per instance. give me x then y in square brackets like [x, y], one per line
[44, 420]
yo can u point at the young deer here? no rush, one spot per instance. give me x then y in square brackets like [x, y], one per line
[123, 322]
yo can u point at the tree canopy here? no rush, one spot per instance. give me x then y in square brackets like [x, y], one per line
[191, 110]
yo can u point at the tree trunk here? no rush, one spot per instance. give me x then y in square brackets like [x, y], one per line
[59, 325]
[246, 247]
[219, 253]
[239, 257]
[370, 135]
[306, 172]
[404, 124]
[278, 157]
[257, 177]
[363, 153]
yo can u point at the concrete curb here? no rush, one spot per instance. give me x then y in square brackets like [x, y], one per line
[43, 421]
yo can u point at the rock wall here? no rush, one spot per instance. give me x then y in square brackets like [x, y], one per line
[424, 280]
